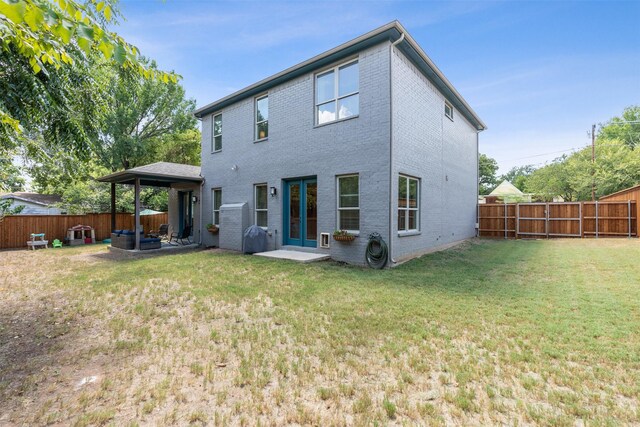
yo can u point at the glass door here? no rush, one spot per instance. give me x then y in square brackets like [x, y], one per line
[301, 212]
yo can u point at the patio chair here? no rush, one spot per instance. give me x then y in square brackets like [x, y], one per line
[162, 233]
[186, 232]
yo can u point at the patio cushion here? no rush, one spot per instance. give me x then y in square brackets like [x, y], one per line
[149, 240]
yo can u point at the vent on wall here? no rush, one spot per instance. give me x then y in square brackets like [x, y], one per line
[324, 240]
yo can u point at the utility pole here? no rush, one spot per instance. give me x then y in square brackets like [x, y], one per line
[593, 163]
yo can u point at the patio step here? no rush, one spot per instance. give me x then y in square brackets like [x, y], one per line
[298, 256]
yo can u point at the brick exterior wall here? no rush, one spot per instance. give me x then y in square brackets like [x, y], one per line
[298, 148]
[426, 144]
[441, 153]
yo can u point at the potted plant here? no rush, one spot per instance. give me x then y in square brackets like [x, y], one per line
[213, 229]
[343, 236]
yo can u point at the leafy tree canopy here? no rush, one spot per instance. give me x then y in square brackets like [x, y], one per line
[487, 170]
[48, 50]
[625, 129]
[518, 175]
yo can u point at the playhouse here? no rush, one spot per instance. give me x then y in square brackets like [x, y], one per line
[81, 235]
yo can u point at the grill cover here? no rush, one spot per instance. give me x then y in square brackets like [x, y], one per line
[255, 240]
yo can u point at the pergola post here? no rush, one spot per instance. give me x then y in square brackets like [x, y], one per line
[113, 206]
[137, 213]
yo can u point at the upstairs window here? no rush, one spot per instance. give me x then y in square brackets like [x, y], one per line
[448, 110]
[349, 203]
[260, 203]
[216, 132]
[262, 118]
[408, 206]
[337, 93]
[216, 196]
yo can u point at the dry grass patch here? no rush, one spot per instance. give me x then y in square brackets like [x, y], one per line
[493, 332]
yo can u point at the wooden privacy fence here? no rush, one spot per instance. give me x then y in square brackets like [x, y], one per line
[567, 219]
[16, 229]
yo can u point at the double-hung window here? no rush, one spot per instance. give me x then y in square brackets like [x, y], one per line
[337, 94]
[216, 133]
[349, 203]
[408, 203]
[216, 198]
[260, 205]
[262, 118]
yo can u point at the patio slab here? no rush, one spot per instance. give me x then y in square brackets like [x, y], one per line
[297, 256]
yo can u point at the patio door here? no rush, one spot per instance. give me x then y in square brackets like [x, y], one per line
[185, 206]
[301, 212]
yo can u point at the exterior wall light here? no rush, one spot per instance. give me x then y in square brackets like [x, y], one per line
[273, 191]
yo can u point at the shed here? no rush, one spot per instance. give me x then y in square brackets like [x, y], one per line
[632, 193]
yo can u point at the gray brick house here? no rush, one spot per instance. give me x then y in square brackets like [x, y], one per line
[366, 137]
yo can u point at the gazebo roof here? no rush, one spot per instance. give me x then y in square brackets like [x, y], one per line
[160, 174]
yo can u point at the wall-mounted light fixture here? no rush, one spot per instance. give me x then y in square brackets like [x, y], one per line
[273, 191]
[194, 199]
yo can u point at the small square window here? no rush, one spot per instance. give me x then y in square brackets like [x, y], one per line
[448, 110]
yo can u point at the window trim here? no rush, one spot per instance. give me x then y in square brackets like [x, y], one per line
[213, 134]
[255, 204]
[213, 205]
[448, 104]
[406, 230]
[255, 119]
[339, 209]
[335, 69]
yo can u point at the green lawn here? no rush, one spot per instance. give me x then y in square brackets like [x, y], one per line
[516, 332]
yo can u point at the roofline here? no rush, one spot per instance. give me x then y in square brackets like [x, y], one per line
[129, 173]
[389, 32]
[620, 192]
[11, 196]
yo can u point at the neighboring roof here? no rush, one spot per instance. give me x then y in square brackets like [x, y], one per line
[392, 31]
[626, 190]
[506, 189]
[38, 199]
[160, 174]
[149, 212]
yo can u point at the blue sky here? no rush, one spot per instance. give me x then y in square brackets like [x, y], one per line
[538, 73]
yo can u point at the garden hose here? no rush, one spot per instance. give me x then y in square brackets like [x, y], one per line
[377, 251]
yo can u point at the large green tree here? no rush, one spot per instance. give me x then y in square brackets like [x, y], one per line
[48, 52]
[143, 116]
[487, 171]
[625, 128]
[518, 176]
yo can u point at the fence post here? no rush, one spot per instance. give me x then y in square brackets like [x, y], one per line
[505, 219]
[517, 219]
[580, 216]
[546, 220]
[629, 215]
[596, 219]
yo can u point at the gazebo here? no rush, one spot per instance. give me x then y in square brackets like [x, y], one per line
[161, 174]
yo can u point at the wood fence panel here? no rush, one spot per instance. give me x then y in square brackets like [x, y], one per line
[553, 220]
[16, 229]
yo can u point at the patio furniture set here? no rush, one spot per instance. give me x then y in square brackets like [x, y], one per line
[126, 239]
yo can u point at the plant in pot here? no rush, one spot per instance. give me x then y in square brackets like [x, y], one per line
[343, 236]
[212, 228]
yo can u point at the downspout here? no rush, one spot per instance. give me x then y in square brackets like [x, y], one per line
[391, 207]
[200, 200]
[478, 183]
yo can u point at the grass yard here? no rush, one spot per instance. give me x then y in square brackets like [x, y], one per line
[491, 332]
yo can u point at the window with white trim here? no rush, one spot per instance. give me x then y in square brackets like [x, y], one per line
[448, 110]
[337, 93]
[216, 133]
[349, 202]
[262, 118]
[260, 205]
[408, 203]
[216, 200]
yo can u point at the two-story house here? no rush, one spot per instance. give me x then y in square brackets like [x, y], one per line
[367, 137]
